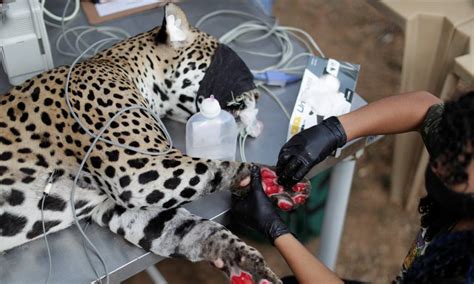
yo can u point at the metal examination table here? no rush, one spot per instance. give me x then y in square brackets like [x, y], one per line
[29, 263]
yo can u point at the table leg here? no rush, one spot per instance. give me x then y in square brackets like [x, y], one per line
[335, 212]
[155, 275]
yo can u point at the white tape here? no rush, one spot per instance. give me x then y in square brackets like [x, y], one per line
[48, 187]
[174, 29]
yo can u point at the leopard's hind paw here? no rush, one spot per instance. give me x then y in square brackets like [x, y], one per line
[240, 262]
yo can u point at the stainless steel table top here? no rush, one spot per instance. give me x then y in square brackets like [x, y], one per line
[29, 263]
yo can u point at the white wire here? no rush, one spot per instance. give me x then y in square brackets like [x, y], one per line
[77, 119]
[80, 32]
[281, 34]
[63, 26]
[308, 37]
[51, 24]
[283, 40]
[275, 98]
[100, 43]
[242, 139]
[45, 194]
[64, 34]
[98, 137]
[232, 12]
[46, 240]
[257, 53]
[303, 54]
[77, 7]
[303, 41]
[87, 254]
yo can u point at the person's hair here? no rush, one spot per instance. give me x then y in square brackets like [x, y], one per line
[455, 144]
[451, 254]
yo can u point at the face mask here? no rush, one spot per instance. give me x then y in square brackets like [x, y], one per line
[460, 205]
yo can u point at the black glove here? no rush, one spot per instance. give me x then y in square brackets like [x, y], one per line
[307, 148]
[257, 211]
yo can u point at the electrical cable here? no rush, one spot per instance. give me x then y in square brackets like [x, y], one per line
[46, 239]
[275, 98]
[79, 38]
[77, 7]
[78, 120]
[98, 137]
[80, 33]
[113, 34]
[279, 33]
[88, 222]
[242, 138]
[45, 194]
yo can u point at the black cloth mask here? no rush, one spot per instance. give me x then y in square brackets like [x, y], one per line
[227, 76]
[461, 205]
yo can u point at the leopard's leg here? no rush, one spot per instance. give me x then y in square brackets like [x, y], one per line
[137, 180]
[170, 180]
[176, 232]
[166, 181]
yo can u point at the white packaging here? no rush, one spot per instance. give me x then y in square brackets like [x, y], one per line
[326, 90]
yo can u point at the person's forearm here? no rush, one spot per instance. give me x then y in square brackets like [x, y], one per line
[306, 267]
[395, 114]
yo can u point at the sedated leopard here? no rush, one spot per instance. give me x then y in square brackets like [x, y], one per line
[134, 195]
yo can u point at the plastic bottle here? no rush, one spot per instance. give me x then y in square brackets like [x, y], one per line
[211, 133]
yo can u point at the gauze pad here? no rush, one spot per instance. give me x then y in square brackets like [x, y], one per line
[324, 97]
[248, 117]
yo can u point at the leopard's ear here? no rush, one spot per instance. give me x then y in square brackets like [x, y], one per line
[175, 29]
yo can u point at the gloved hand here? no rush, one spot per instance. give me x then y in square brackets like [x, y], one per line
[257, 211]
[307, 148]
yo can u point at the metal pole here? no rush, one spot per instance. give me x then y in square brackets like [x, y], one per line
[335, 212]
[156, 275]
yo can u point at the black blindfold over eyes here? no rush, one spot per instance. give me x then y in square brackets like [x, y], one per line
[227, 77]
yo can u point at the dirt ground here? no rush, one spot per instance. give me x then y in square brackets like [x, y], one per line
[377, 234]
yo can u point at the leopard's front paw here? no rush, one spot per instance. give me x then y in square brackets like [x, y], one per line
[286, 198]
[241, 263]
[241, 180]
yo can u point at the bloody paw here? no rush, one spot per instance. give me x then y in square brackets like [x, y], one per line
[240, 262]
[243, 278]
[286, 198]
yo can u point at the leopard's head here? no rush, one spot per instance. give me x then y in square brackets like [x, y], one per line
[198, 66]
